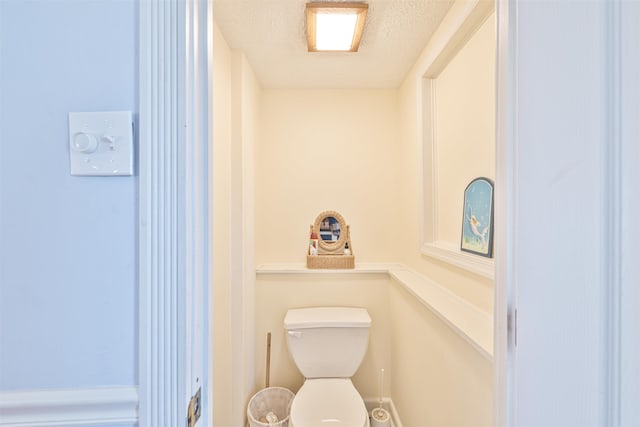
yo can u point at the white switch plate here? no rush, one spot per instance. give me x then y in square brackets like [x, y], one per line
[101, 143]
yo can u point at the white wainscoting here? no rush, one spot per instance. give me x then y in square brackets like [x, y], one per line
[69, 407]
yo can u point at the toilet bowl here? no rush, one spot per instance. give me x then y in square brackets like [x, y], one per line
[327, 345]
[328, 402]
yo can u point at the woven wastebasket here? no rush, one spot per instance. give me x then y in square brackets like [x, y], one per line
[271, 399]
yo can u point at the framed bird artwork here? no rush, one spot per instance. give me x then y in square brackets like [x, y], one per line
[477, 218]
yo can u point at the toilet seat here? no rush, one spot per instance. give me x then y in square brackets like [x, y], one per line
[328, 402]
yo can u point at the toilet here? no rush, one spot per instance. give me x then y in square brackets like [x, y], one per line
[327, 345]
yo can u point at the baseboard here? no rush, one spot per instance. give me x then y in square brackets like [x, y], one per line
[387, 403]
[69, 407]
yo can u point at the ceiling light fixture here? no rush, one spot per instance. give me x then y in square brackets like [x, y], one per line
[335, 27]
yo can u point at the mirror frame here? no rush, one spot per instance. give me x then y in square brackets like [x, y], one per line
[336, 246]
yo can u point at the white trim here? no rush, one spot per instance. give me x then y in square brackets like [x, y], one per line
[630, 211]
[612, 250]
[462, 21]
[300, 268]
[68, 407]
[446, 252]
[161, 257]
[467, 320]
[504, 356]
[174, 209]
[471, 323]
[195, 178]
[207, 397]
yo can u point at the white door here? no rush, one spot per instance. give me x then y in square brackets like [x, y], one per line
[629, 256]
[567, 295]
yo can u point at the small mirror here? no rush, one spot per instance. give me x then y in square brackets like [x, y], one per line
[332, 233]
[330, 229]
[330, 243]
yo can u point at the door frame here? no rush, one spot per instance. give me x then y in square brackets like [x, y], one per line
[174, 204]
[505, 216]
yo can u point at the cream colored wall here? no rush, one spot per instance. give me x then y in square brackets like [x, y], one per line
[442, 381]
[276, 293]
[222, 356]
[438, 379]
[465, 127]
[246, 93]
[327, 150]
[474, 288]
[235, 130]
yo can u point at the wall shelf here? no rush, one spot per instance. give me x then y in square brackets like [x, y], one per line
[301, 268]
[472, 324]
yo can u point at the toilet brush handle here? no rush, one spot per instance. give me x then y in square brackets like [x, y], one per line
[268, 369]
[381, 386]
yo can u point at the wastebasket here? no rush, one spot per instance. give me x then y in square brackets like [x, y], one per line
[272, 400]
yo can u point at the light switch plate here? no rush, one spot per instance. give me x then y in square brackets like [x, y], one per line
[101, 143]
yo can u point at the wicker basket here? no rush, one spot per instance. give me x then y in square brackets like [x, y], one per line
[330, 261]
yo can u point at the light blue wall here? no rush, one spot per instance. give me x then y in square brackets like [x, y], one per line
[68, 254]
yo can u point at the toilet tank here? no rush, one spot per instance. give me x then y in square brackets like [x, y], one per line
[327, 342]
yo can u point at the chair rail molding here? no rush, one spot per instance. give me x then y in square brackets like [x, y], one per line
[69, 407]
[471, 323]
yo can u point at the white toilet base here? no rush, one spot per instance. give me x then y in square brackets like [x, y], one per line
[322, 400]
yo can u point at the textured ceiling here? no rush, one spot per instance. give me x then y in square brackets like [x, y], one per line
[272, 35]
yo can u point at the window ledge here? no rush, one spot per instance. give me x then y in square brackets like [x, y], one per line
[452, 255]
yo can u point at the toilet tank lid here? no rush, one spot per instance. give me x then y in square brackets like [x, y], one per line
[327, 317]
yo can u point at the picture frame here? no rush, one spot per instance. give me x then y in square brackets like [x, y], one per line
[477, 218]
